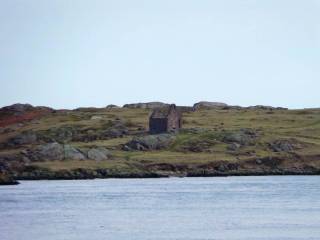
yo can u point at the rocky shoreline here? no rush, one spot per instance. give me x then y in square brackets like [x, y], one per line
[33, 173]
[77, 174]
[7, 179]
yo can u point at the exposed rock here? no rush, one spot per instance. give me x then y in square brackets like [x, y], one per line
[17, 108]
[233, 146]
[7, 179]
[78, 133]
[224, 167]
[35, 173]
[114, 133]
[71, 153]
[19, 113]
[126, 148]
[50, 151]
[96, 117]
[61, 134]
[243, 137]
[151, 142]
[118, 128]
[67, 133]
[13, 157]
[262, 107]
[20, 108]
[177, 170]
[88, 109]
[208, 105]
[56, 151]
[148, 105]
[110, 106]
[259, 161]
[284, 145]
[271, 162]
[24, 138]
[87, 135]
[230, 107]
[99, 154]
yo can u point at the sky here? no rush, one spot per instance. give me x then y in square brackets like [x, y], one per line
[81, 53]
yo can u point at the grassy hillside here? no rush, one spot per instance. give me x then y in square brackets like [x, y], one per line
[210, 139]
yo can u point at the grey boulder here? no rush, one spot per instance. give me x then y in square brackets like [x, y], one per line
[99, 154]
[50, 151]
[208, 105]
[150, 142]
[285, 145]
[148, 105]
[71, 153]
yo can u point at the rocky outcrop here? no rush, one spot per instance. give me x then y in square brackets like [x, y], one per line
[110, 106]
[263, 107]
[233, 146]
[56, 151]
[18, 113]
[208, 105]
[61, 134]
[153, 105]
[24, 138]
[285, 145]
[271, 162]
[17, 108]
[7, 179]
[148, 105]
[272, 165]
[72, 153]
[243, 137]
[37, 173]
[8, 158]
[74, 133]
[99, 154]
[50, 151]
[150, 142]
[118, 128]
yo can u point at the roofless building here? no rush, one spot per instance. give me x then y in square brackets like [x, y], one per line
[165, 119]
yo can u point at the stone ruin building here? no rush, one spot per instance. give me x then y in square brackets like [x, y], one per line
[165, 119]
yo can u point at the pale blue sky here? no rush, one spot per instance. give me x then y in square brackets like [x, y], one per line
[66, 54]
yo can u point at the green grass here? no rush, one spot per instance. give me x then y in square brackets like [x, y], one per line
[302, 125]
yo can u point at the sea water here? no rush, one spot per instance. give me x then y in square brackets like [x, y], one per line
[268, 208]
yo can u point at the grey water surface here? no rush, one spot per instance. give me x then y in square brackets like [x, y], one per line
[272, 207]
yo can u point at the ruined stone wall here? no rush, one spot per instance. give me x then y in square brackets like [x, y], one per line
[173, 122]
[158, 125]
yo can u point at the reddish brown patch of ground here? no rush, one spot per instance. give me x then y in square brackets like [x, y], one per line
[27, 116]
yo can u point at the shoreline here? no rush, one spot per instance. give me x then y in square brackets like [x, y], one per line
[16, 180]
[162, 175]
